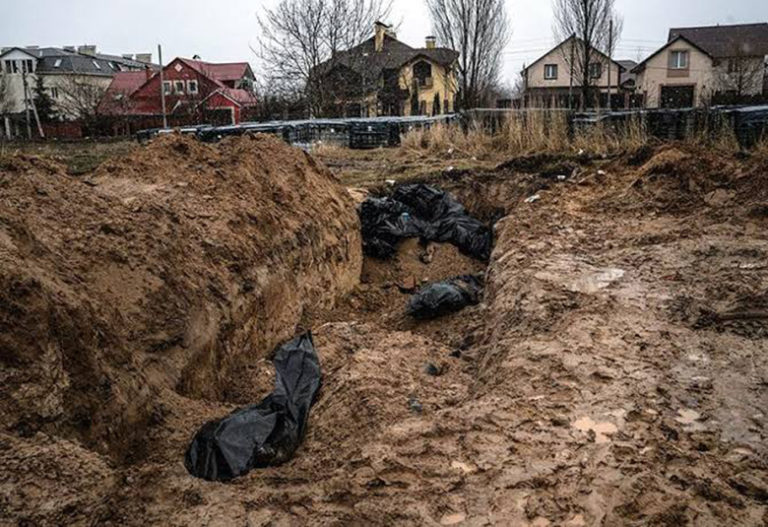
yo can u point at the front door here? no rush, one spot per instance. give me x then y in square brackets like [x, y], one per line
[677, 96]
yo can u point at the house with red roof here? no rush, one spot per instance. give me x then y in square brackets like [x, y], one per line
[195, 92]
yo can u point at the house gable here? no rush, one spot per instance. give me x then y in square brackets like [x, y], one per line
[654, 74]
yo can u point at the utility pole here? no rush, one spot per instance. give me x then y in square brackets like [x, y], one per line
[570, 74]
[162, 84]
[610, 61]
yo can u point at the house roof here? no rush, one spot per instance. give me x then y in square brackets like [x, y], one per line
[394, 54]
[727, 41]
[123, 85]
[221, 72]
[545, 55]
[640, 67]
[51, 61]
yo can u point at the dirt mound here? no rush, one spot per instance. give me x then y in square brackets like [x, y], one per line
[159, 273]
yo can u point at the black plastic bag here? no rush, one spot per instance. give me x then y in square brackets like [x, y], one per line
[384, 222]
[442, 298]
[263, 434]
[421, 211]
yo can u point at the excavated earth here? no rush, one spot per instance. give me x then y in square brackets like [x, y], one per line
[615, 372]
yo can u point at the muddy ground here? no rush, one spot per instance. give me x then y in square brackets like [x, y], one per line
[615, 372]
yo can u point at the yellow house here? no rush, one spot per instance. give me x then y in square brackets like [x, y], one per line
[383, 76]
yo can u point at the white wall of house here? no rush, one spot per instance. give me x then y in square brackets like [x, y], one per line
[16, 66]
[657, 73]
[70, 92]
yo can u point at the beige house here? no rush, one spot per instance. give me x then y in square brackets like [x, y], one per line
[706, 65]
[550, 80]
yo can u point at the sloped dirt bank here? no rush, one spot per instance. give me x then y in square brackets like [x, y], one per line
[603, 380]
[153, 278]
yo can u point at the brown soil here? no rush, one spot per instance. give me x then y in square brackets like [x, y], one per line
[614, 373]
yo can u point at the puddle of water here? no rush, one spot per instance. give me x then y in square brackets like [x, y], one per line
[602, 431]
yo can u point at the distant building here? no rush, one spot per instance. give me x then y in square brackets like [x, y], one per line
[195, 92]
[73, 78]
[384, 76]
[699, 66]
[550, 80]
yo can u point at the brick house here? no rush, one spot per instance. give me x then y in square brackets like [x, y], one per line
[195, 92]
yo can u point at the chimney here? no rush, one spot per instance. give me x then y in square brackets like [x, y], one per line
[87, 50]
[144, 57]
[70, 49]
[128, 56]
[380, 29]
[430, 41]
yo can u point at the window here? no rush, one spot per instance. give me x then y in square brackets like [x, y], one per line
[422, 71]
[57, 63]
[167, 87]
[178, 86]
[550, 71]
[27, 66]
[96, 64]
[595, 70]
[192, 87]
[678, 60]
[11, 66]
[54, 93]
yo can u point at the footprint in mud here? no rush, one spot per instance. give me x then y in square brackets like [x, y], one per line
[603, 431]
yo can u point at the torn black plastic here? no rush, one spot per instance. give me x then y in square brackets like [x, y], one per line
[421, 211]
[267, 433]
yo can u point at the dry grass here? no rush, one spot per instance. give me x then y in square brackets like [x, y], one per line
[533, 131]
[526, 133]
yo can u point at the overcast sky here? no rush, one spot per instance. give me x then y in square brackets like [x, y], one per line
[225, 30]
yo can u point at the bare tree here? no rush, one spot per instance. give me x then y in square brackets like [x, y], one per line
[741, 76]
[589, 22]
[79, 98]
[299, 35]
[479, 30]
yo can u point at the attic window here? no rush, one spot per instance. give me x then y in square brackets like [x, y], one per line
[98, 67]
[57, 63]
[595, 70]
[550, 71]
[678, 60]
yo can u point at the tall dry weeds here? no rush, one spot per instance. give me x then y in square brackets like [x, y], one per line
[527, 132]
